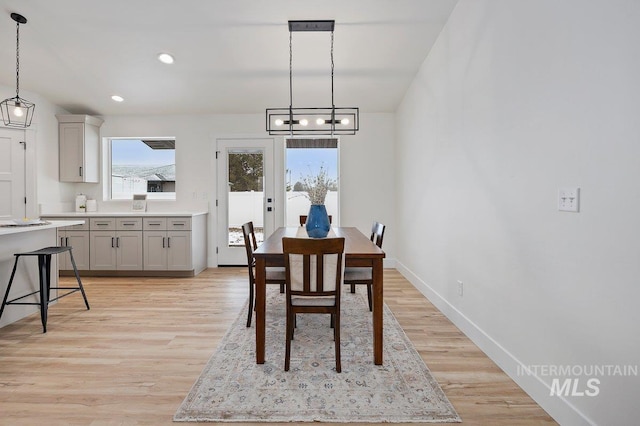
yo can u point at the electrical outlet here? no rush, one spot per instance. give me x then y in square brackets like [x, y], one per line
[460, 288]
[569, 199]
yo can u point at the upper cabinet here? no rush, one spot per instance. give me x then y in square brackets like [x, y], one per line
[79, 142]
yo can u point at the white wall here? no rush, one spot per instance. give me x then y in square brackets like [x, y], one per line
[515, 100]
[366, 175]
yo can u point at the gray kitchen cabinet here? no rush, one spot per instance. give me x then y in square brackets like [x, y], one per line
[140, 245]
[116, 244]
[79, 148]
[77, 237]
[165, 248]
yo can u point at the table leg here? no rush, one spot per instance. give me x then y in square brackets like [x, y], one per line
[377, 310]
[261, 296]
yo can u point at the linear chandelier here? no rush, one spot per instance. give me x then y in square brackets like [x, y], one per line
[16, 111]
[312, 120]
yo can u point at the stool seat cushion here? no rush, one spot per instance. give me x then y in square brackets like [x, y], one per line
[45, 251]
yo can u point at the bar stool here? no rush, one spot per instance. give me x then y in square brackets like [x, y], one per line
[44, 269]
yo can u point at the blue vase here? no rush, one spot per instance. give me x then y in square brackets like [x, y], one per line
[318, 221]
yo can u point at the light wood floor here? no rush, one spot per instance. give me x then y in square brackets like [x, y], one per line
[133, 357]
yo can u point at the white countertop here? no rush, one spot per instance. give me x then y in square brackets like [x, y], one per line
[124, 214]
[30, 228]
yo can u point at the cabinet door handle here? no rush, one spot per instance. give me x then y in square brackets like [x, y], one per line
[117, 242]
[168, 242]
[80, 171]
[112, 246]
[66, 241]
[61, 241]
[163, 242]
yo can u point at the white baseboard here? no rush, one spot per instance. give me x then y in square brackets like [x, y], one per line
[558, 407]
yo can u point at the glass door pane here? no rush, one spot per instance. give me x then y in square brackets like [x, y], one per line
[246, 194]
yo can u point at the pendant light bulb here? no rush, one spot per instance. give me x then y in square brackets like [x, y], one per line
[279, 122]
[18, 111]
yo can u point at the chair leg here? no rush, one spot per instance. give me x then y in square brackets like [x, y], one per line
[44, 290]
[281, 288]
[250, 313]
[336, 337]
[6, 294]
[75, 271]
[289, 333]
[353, 288]
[369, 297]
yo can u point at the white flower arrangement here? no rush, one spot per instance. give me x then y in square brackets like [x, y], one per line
[317, 186]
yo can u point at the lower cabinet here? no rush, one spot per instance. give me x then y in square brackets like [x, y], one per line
[76, 237]
[116, 251]
[79, 242]
[167, 250]
[106, 245]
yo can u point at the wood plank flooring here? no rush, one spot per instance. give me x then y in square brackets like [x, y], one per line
[134, 356]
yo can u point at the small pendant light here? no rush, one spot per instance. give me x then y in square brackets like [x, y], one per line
[17, 112]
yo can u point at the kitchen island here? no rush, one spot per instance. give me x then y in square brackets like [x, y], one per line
[19, 239]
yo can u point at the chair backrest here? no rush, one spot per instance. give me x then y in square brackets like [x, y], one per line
[377, 233]
[303, 219]
[313, 266]
[250, 245]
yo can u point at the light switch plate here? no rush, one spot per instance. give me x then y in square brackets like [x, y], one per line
[569, 199]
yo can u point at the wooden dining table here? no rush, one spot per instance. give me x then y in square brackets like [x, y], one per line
[358, 251]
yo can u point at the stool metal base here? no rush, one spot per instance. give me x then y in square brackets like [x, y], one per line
[44, 273]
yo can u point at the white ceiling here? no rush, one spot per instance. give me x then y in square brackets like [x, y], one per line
[232, 56]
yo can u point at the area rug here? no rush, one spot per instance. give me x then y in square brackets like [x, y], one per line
[233, 388]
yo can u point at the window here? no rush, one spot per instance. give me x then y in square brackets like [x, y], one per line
[307, 157]
[143, 166]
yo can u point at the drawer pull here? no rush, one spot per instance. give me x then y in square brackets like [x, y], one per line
[155, 223]
[179, 224]
[102, 223]
[128, 223]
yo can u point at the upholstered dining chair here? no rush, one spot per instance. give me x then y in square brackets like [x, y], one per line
[314, 282]
[364, 275]
[303, 219]
[274, 275]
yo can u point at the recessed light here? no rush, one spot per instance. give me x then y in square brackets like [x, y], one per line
[165, 58]
[117, 98]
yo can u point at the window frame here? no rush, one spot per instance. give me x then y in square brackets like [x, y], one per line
[108, 169]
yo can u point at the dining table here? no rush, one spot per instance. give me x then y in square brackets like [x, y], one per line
[359, 251]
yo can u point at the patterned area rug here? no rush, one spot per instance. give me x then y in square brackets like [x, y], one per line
[233, 388]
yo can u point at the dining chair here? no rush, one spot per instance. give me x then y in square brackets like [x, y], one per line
[314, 282]
[303, 219]
[364, 274]
[274, 275]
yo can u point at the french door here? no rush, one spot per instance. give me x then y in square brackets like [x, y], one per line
[245, 192]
